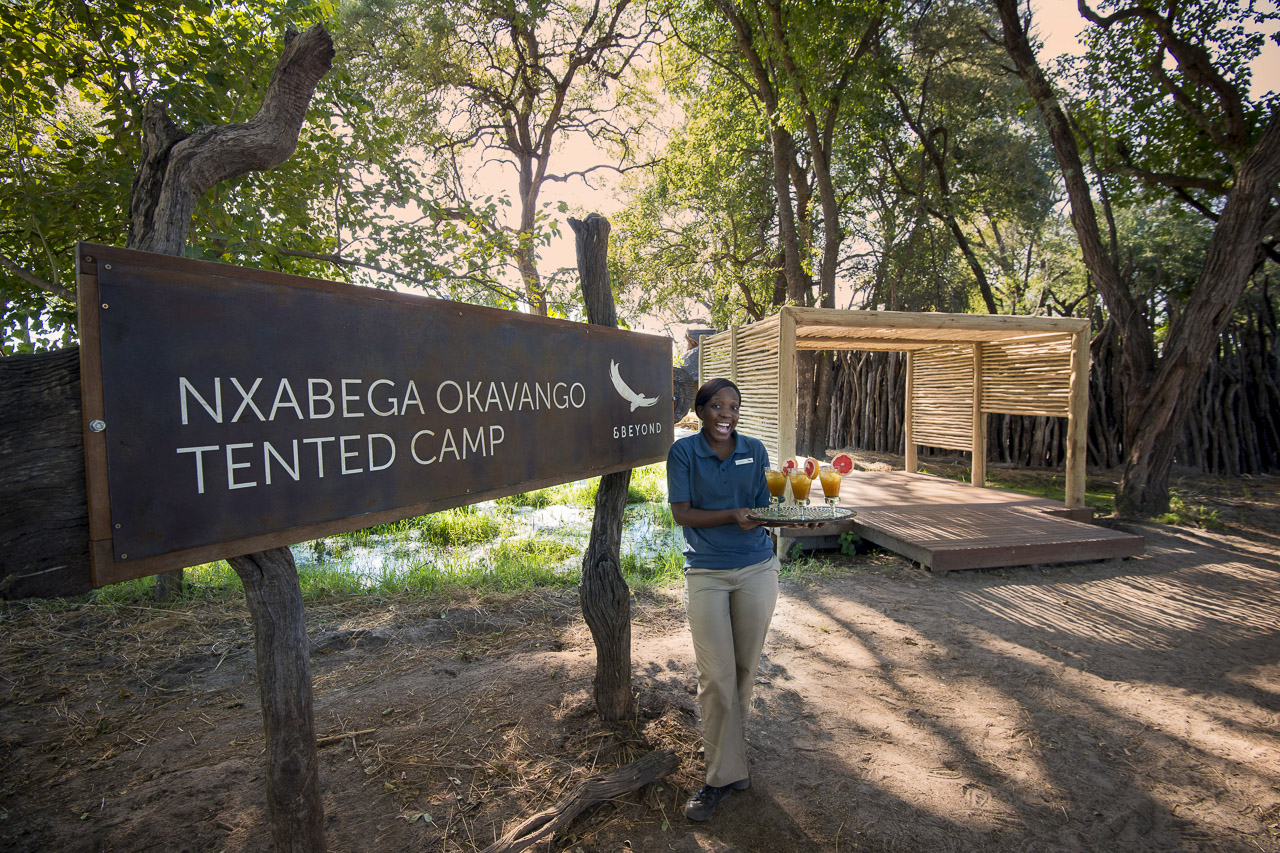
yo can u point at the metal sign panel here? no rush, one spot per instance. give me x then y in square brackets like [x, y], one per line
[228, 410]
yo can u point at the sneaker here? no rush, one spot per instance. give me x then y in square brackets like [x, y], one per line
[741, 784]
[705, 801]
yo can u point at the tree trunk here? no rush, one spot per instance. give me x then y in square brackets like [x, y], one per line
[1234, 251]
[1153, 393]
[284, 687]
[177, 169]
[605, 598]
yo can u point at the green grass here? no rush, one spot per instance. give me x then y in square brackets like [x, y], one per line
[1101, 497]
[648, 484]
[1098, 495]
[509, 565]
[469, 548]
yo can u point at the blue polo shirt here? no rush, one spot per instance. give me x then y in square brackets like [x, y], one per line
[695, 474]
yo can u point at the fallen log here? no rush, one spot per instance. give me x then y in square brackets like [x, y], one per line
[596, 789]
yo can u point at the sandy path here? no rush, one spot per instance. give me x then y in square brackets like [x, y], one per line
[1117, 706]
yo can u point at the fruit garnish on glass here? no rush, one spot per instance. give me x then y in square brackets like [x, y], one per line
[843, 463]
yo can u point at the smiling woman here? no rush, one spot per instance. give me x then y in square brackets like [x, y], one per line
[714, 478]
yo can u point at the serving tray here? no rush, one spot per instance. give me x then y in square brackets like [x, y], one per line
[790, 515]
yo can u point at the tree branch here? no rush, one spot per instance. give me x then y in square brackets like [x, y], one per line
[35, 280]
[177, 170]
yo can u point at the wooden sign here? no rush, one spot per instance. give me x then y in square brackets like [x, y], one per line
[228, 410]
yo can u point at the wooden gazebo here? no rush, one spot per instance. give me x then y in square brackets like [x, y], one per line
[960, 368]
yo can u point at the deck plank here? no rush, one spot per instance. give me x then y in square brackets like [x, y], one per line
[947, 525]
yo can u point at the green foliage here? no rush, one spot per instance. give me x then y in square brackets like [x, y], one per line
[1172, 105]
[1184, 514]
[970, 164]
[73, 86]
[697, 232]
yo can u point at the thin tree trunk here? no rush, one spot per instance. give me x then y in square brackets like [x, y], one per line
[280, 644]
[605, 598]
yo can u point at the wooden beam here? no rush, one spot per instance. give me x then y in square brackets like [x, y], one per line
[934, 320]
[978, 460]
[733, 353]
[910, 462]
[878, 339]
[786, 400]
[786, 384]
[1078, 421]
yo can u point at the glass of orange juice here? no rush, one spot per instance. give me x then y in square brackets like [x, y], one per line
[777, 482]
[800, 483]
[830, 478]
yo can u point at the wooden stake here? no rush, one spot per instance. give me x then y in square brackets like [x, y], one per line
[605, 598]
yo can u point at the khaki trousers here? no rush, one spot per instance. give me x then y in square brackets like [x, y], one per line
[729, 612]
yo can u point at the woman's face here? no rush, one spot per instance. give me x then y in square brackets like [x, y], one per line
[720, 415]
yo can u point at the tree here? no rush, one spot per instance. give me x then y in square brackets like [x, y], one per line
[698, 242]
[503, 84]
[74, 83]
[606, 601]
[1237, 149]
[177, 169]
[970, 160]
[806, 65]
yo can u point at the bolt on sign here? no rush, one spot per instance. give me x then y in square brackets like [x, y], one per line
[228, 410]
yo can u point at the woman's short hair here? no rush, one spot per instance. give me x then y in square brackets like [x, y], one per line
[712, 387]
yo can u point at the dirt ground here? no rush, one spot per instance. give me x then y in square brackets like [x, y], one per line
[1124, 705]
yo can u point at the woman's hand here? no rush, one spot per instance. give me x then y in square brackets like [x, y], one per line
[686, 516]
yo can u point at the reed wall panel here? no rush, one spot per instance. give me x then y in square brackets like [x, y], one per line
[1021, 378]
[756, 373]
[942, 397]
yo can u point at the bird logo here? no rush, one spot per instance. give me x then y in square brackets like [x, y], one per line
[636, 400]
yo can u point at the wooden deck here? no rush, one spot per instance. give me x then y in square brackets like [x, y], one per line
[946, 525]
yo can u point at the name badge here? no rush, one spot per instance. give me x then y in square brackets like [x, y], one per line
[747, 461]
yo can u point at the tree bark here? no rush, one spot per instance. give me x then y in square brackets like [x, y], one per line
[605, 598]
[280, 644]
[597, 789]
[178, 168]
[1234, 251]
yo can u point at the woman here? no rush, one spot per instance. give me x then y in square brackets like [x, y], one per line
[714, 478]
